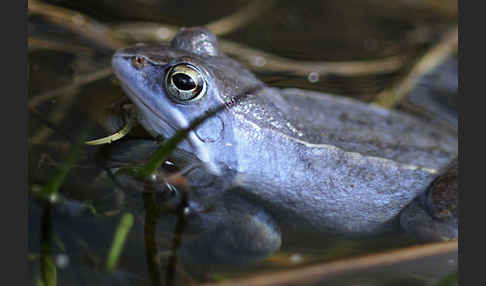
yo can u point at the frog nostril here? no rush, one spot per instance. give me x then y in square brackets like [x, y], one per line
[138, 62]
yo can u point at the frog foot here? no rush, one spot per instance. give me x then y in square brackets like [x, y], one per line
[434, 215]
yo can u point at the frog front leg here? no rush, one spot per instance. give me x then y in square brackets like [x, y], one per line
[245, 234]
[434, 215]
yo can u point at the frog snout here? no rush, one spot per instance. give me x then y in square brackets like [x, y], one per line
[119, 65]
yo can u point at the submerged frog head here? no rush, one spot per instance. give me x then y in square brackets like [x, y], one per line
[171, 85]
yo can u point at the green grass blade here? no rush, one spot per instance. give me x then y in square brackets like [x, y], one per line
[47, 267]
[50, 193]
[49, 277]
[161, 155]
[51, 189]
[449, 280]
[119, 239]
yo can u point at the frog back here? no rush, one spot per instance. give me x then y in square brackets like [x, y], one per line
[352, 126]
[334, 165]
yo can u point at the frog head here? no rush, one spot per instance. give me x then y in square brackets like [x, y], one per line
[172, 85]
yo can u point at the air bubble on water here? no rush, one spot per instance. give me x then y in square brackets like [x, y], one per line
[62, 260]
[258, 61]
[313, 77]
[296, 258]
[163, 33]
[186, 211]
[153, 177]
[53, 198]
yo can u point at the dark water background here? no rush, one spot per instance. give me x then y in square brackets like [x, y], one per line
[308, 31]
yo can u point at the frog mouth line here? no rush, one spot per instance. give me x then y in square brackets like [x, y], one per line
[140, 102]
[131, 122]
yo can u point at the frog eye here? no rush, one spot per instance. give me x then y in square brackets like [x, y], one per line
[185, 83]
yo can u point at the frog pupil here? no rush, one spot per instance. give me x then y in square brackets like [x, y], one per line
[183, 81]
